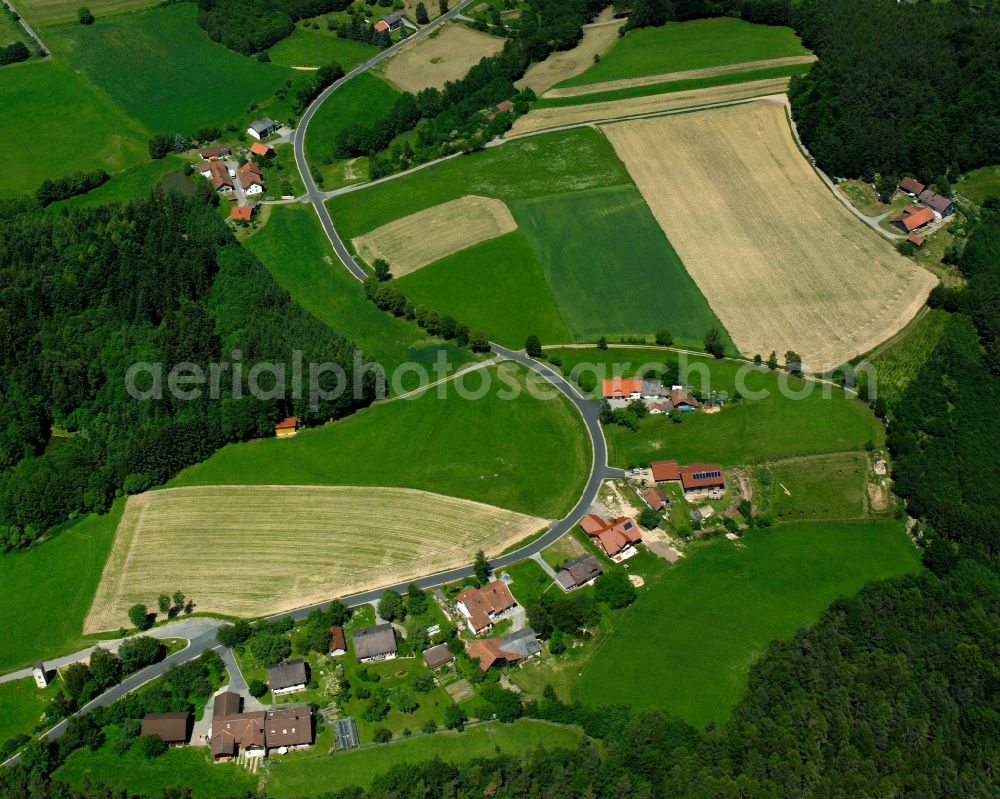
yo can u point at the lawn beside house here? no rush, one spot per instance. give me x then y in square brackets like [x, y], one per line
[23, 704]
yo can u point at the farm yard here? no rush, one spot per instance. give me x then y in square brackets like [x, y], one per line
[546, 117]
[804, 274]
[429, 235]
[696, 44]
[78, 127]
[690, 639]
[498, 451]
[304, 544]
[132, 57]
[444, 55]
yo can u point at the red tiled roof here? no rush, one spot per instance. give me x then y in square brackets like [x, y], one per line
[259, 148]
[593, 524]
[483, 603]
[489, 652]
[613, 535]
[702, 475]
[912, 219]
[665, 470]
[505, 105]
[289, 423]
[678, 396]
[219, 174]
[381, 25]
[621, 387]
[241, 213]
[910, 185]
[913, 238]
[655, 497]
[337, 640]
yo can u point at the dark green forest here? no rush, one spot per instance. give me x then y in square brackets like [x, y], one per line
[899, 88]
[251, 26]
[86, 293]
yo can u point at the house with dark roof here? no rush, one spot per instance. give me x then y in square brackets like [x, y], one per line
[579, 572]
[681, 399]
[910, 186]
[617, 537]
[171, 728]
[438, 656]
[390, 22]
[215, 151]
[914, 217]
[288, 677]
[374, 643]
[938, 203]
[338, 644]
[262, 128]
[482, 607]
[288, 727]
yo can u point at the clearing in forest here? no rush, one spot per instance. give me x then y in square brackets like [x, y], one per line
[784, 265]
[565, 64]
[440, 57]
[434, 233]
[560, 116]
[256, 550]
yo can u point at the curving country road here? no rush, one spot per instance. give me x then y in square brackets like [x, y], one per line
[588, 410]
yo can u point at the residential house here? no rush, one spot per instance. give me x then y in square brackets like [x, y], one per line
[251, 178]
[215, 151]
[652, 389]
[656, 498]
[374, 643]
[438, 656]
[261, 149]
[218, 173]
[288, 426]
[659, 407]
[243, 213]
[288, 727]
[287, 678]
[940, 204]
[914, 217]
[234, 732]
[41, 676]
[482, 607]
[509, 650]
[617, 537]
[681, 399]
[699, 478]
[911, 186]
[579, 572]
[338, 644]
[171, 728]
[262, 128]
[622, 388]
[503, 106]
[665, 471]
[390, 22]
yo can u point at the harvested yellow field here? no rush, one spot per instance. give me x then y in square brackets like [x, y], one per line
[440, 57]
[783, 264]
[561, 65]
[545, 118]
[257, 550]
[687, 74]
[429, 235]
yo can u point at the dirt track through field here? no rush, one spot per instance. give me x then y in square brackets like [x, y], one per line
[544, 118]
[689, 74]
[429, 235]
[256, 550]
[564, 64]
[782, 263]
[439, 58]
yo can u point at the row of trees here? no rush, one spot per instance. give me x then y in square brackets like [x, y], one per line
[62, 189]
[654, 13]
[88, 293]
[325, 76]
[251, 26]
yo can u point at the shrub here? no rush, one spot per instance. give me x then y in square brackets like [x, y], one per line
[257, 688]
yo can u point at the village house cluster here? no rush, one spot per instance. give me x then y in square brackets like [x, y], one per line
[930, 207]
[235, 181]
[620, 391]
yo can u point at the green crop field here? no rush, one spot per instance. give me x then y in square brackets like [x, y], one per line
[547, 164]
[674, 86]
[315, 48]
[133, 57]
[68, 566]
[822, 487]
[188, 767]
[134, 183]
[497, 286]
[294, 248]
[51, 12]
[364, 99]
[59, 125]
[526, 454]
[688, 642]
[316, 772]
[898, 364]
[23, 704]
[697, 44]
[610, 267]
[747, 431]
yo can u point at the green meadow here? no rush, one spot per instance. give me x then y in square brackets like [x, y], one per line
[496, 285]
[533, 167]
[75, 128]
[688, 643]
[296, 251]
[746, 431]
[897, 364]
[11, 31]
[51, 12]
[527, 454]
[818, 488]
[315, 48]
[134, 57]
[68, 566]
[980, 183]
[23, 704]
[697, 44]
[133, 183]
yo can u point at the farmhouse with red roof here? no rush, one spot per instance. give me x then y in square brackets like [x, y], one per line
[617, 537]
[482, 607]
